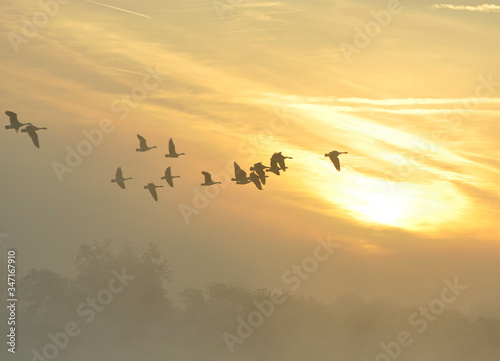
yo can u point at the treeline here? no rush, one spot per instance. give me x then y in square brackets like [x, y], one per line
[117, 308]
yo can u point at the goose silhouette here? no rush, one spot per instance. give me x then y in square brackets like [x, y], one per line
[14, 123]
[274, 168]
[256, 180]
[278, 160]
[143, 147]
[171, 150]
[119, 179]
[259, 168]
[31, 130]
[152, 189]
[334, 157]
[169, 177]
[208, 179]
[240, 176]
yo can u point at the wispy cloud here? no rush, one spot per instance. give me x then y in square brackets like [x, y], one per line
[417, 101]
[113, 7]
[409, 106]
[381, 102]
[485, 8]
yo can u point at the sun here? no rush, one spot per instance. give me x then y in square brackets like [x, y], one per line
[415, 207]
[381, 208]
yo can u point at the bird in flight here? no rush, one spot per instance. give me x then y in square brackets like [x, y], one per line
[274, 168]
[14, 123]
[143, 147]
[278, 160]
[240, 176]
[334, 157]
[152, 189]
[169, 177]
[259, 168]
[31, 130]
[119, 179]
[256, 180]
[171, 150]
[208, 179]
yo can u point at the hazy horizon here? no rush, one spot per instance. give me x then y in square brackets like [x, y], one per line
[409, 90]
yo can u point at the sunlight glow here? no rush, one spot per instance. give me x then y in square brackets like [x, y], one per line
[360, 191]
[381, 208]
[410, 206]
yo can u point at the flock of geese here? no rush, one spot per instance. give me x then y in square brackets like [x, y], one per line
[257, 174]
[30, 129]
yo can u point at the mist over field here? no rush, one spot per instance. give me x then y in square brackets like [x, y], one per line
[118, 307]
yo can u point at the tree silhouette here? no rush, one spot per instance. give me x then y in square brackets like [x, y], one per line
[140, 321]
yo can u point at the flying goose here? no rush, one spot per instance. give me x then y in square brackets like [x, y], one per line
[143, 147]
[274, 168]
[14, 123]
[169, 177]
[208, 179]
[256, 180]
[259, 168]
[171, 150]
[119, 178]
[31, 130]
[152, 189]
[279, 159]
[334, 157]
[240, 175]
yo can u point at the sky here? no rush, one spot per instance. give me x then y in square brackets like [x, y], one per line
[411, 90]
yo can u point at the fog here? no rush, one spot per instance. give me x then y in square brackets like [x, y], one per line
[118, 307]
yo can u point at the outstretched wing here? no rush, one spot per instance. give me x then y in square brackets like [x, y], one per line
[168, 172]
[171, 146]
[255, 179]
[336, 162]
[239, 173]
[142, 141]
[262, 176]
[120, 182]
[119, 178]
[208, 177]
[34, 138]
[12, 117]
[274, 161]
[152, 190]
[168, 177]
[281, 162]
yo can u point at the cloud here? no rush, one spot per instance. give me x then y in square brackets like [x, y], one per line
[402, 106]
[484, 8]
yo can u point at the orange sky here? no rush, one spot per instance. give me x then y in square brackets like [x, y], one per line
[417, 109]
